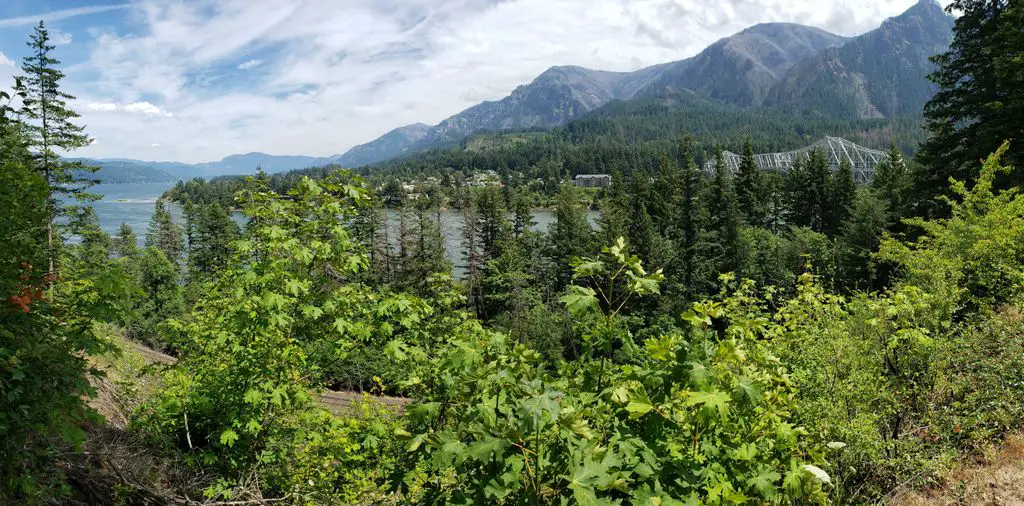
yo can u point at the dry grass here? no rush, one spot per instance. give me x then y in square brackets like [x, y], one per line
[997, 478]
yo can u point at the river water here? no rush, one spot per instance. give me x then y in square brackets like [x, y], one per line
[133, 204]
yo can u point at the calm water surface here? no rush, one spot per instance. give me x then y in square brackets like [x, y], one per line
[133, 204]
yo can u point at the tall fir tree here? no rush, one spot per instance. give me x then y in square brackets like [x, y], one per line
[427, 257]
[842, 192]
[891, 179]
[751, 193]
[211, 232]
[808, 183]
[126, 244]
[723, 217]
[165, 234]
[689, 222]
[860, 237]
[473, 257]
[523, 221]
[50, 127]
[570, 235]
[612, 221]
[980, 102]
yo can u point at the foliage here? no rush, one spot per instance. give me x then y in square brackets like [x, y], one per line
[977, 107]
[46, 322]
[697, 416]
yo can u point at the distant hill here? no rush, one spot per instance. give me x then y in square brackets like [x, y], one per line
[741, 69]
[879, 74]
[390, 145]
[126, 171]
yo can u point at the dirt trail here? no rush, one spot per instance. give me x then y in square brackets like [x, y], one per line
[335, 402]
[998, 479]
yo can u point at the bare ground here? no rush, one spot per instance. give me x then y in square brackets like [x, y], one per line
[996, 478]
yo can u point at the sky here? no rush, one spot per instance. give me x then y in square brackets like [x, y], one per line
[197, 80]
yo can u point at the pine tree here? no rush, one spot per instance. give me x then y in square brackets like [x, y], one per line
[775, 199]
[523, 219]
[689, 222]
[428, 252]
[979, 103]
[472, 256]
[612, 222]
[50, 127]
[211, 234]
[164, 234]
[891, 179]
[126, 245]
[808, 183]
[861, 235]
[570, 235]
[723, 216]
[842, 192]
[493, 221]
[750, 189]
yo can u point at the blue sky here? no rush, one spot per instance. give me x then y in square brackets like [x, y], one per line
[197, 80]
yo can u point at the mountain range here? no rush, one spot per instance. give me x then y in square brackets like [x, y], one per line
[781, 67]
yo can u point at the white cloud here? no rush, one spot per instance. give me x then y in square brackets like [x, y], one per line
[145, 108]
[156, 145]
[5, 61]
[251, 64]
[61, 14]
[60, 38]
[100, 107]
[342, 73]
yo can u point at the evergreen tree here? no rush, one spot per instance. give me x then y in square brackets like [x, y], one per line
[861, 235]
[750, 189]
[570, 235]
[50, 127]
[723, 217]
[473, 256]
[164, 234]
[493, 221]
[808, 183]
[775, 199]
[612, 222]
[211, 232]
[689, 223]
[523, 219]
[842, 192]
[126, 245]
[891, 179]
[164, 297]
[664, 194]
[428, 252]
[979, 103]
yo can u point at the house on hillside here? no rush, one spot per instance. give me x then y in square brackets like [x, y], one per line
[592, 180]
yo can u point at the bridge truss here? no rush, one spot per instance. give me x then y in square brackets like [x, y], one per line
[864, 160]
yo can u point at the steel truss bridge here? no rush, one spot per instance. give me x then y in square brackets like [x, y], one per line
[864, 160]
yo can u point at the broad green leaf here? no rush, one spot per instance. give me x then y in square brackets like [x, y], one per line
[764, 483]
[638, 409]
[580, 300]
[228, 438]
[482, 450]
[715, 400]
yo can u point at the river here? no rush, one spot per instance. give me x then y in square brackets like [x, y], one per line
[133, 204]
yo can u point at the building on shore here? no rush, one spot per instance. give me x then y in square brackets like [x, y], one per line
[592, 180]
